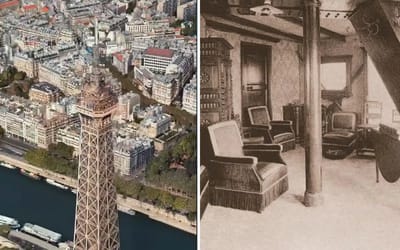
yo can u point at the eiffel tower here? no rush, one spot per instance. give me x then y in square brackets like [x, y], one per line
[96, 218]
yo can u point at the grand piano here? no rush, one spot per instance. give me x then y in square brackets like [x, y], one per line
[377, 23]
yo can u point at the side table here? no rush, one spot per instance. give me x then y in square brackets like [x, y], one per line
[365, 143]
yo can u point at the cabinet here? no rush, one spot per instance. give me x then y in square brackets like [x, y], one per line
[215, 81]
[295, 113]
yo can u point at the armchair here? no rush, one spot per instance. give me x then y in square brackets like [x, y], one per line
[341, 140]
[247, 177]
[277, 132]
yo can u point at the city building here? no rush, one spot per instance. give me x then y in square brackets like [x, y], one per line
[59, 75]
[170, 7]
[167, 141]
[132, 155]
[122, 61]
[70, 135]
[9, 4]
[127, 104]
[44, 93]
[123, 131]
[187, 11]
[157, 60]
[161, 5]
[112, 22]
[155, 122]
[23, 63]
[189, 97]
[31, 122]
[145, 77]
[165, 89]
[144, 26]
[182, 65]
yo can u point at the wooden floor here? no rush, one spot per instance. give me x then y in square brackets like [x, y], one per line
[358, 213]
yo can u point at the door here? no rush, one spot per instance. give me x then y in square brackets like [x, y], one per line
[254, 77]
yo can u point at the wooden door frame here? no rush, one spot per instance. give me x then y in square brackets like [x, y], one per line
[268, 71]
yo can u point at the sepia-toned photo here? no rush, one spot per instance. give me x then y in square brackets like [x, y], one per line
[299, 124]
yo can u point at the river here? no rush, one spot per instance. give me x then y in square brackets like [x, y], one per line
[37, 202]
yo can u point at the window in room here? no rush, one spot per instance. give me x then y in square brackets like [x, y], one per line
[377, 92]
[335, 76]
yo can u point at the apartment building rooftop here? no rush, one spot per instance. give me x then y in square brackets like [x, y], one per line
[159, 52]
[46, 87]
[128, 145]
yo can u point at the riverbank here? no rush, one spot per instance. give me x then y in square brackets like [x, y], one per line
[124, 204]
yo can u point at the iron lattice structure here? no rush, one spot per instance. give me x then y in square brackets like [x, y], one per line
[96, 218]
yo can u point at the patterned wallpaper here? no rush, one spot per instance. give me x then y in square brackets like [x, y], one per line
[285, 80]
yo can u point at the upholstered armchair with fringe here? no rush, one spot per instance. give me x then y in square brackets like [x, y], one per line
[247, 177]
[277, 132]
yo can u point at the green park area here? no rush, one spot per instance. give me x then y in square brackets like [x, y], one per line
[170, 180]
[58, 158]
[14, 82]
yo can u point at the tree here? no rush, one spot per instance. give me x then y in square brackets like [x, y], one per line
[180, 204]
[43, 159]
[2, 132]
[20, 75]
[133, 189]
[191, 216]
[62, 150]
[176, 24]
[131, 7]
[166, 199]
[192, 205]
[149, 194]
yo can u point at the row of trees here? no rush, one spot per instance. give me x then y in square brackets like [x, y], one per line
[156, 197]
[58, 159]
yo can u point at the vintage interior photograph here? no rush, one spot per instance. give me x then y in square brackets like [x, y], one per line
[299, 119]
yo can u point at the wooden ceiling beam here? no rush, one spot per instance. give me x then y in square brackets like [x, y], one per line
[265, 28]
[328, 32]
[242, 31]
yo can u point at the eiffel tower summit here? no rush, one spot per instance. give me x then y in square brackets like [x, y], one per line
[96, 218]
